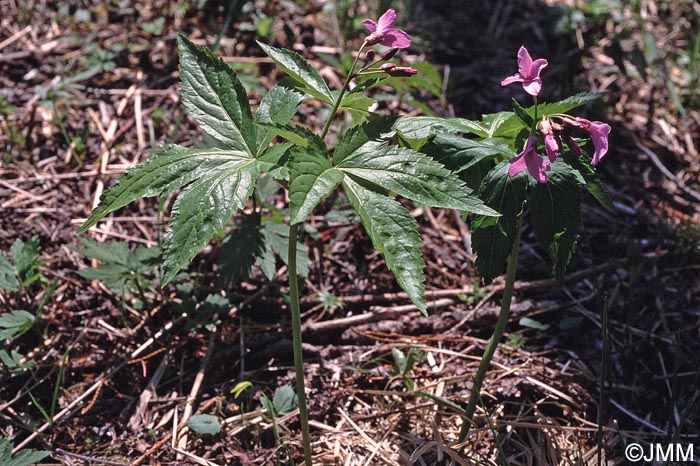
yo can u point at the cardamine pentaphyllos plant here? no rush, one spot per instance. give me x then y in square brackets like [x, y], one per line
[371, 169]
[552, 189]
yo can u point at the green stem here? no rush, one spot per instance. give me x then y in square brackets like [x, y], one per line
[294, 292]
[495, 338]
[351, 75]
[296, 342]
[534, 121]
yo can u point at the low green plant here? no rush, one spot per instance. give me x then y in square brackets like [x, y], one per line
[126, 272]
[20, 269]
[22, 458]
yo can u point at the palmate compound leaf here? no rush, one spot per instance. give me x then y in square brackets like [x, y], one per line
[394, 233]
[300, 71]
[556, 211]
[169, 169]
[493, 237]
[412, 175]
[215, 97]
[202, 210]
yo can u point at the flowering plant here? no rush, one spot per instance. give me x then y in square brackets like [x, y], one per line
[420, 158]
[489, 165]
[218, 181]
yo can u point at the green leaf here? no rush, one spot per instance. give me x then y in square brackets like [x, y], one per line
[114, 276]
[394, 234]
[240, 388]
[276, 239]
[508, 124]
[14, 323]
[532, 323]
[300, 70]
[13, 362]
[556, 211]
[590, 176]
[203, 209]
[570, 103]
[8, 275]
[274, 161]
[493, 237]
[358, 102]
[412, 175]
[312, 178]
[239, 251]
[169, 169]
[377, 129]
[459, 154]
[115, 253]
[488, 127]
[278, 106]
[204, 424]
[215, 98]
[284, 400]
[420, 128]
[526, 119]
[295, 134]
[23, 458]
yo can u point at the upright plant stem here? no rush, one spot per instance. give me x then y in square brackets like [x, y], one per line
[495, 338]
[296, 342]
[294, 293]
[336, 105]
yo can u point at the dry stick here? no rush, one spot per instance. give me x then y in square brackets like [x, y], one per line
[148, 393]
[196, 385]
[389, 313]
[377, 447]
[89, 458]
[667, 173]
[97, 384]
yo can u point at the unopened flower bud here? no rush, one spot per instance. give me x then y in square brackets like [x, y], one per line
[369, 56]
[387, 66]
[402, 71]
[389, 54]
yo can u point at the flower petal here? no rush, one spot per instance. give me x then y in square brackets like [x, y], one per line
[387, 21]
[370, 25]
[552, 146]
[599, 134]
[516, 78]
[396, 38]
[517, 165]
[532, 86]
[524, 61]
[537, 166]
[537, 66]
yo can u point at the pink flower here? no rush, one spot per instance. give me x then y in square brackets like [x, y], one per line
[551, 143]
[528, 72]
[599, 132]
[530, 161]
[383, 32]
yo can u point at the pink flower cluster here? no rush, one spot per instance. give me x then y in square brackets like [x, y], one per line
[555, 134]
[384, 33]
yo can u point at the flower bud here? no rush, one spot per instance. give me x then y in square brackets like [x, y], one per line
[402, 71]
[389, 54]
[369, 56]
[387, 66]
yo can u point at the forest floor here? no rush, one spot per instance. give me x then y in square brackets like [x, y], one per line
[113, 365]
